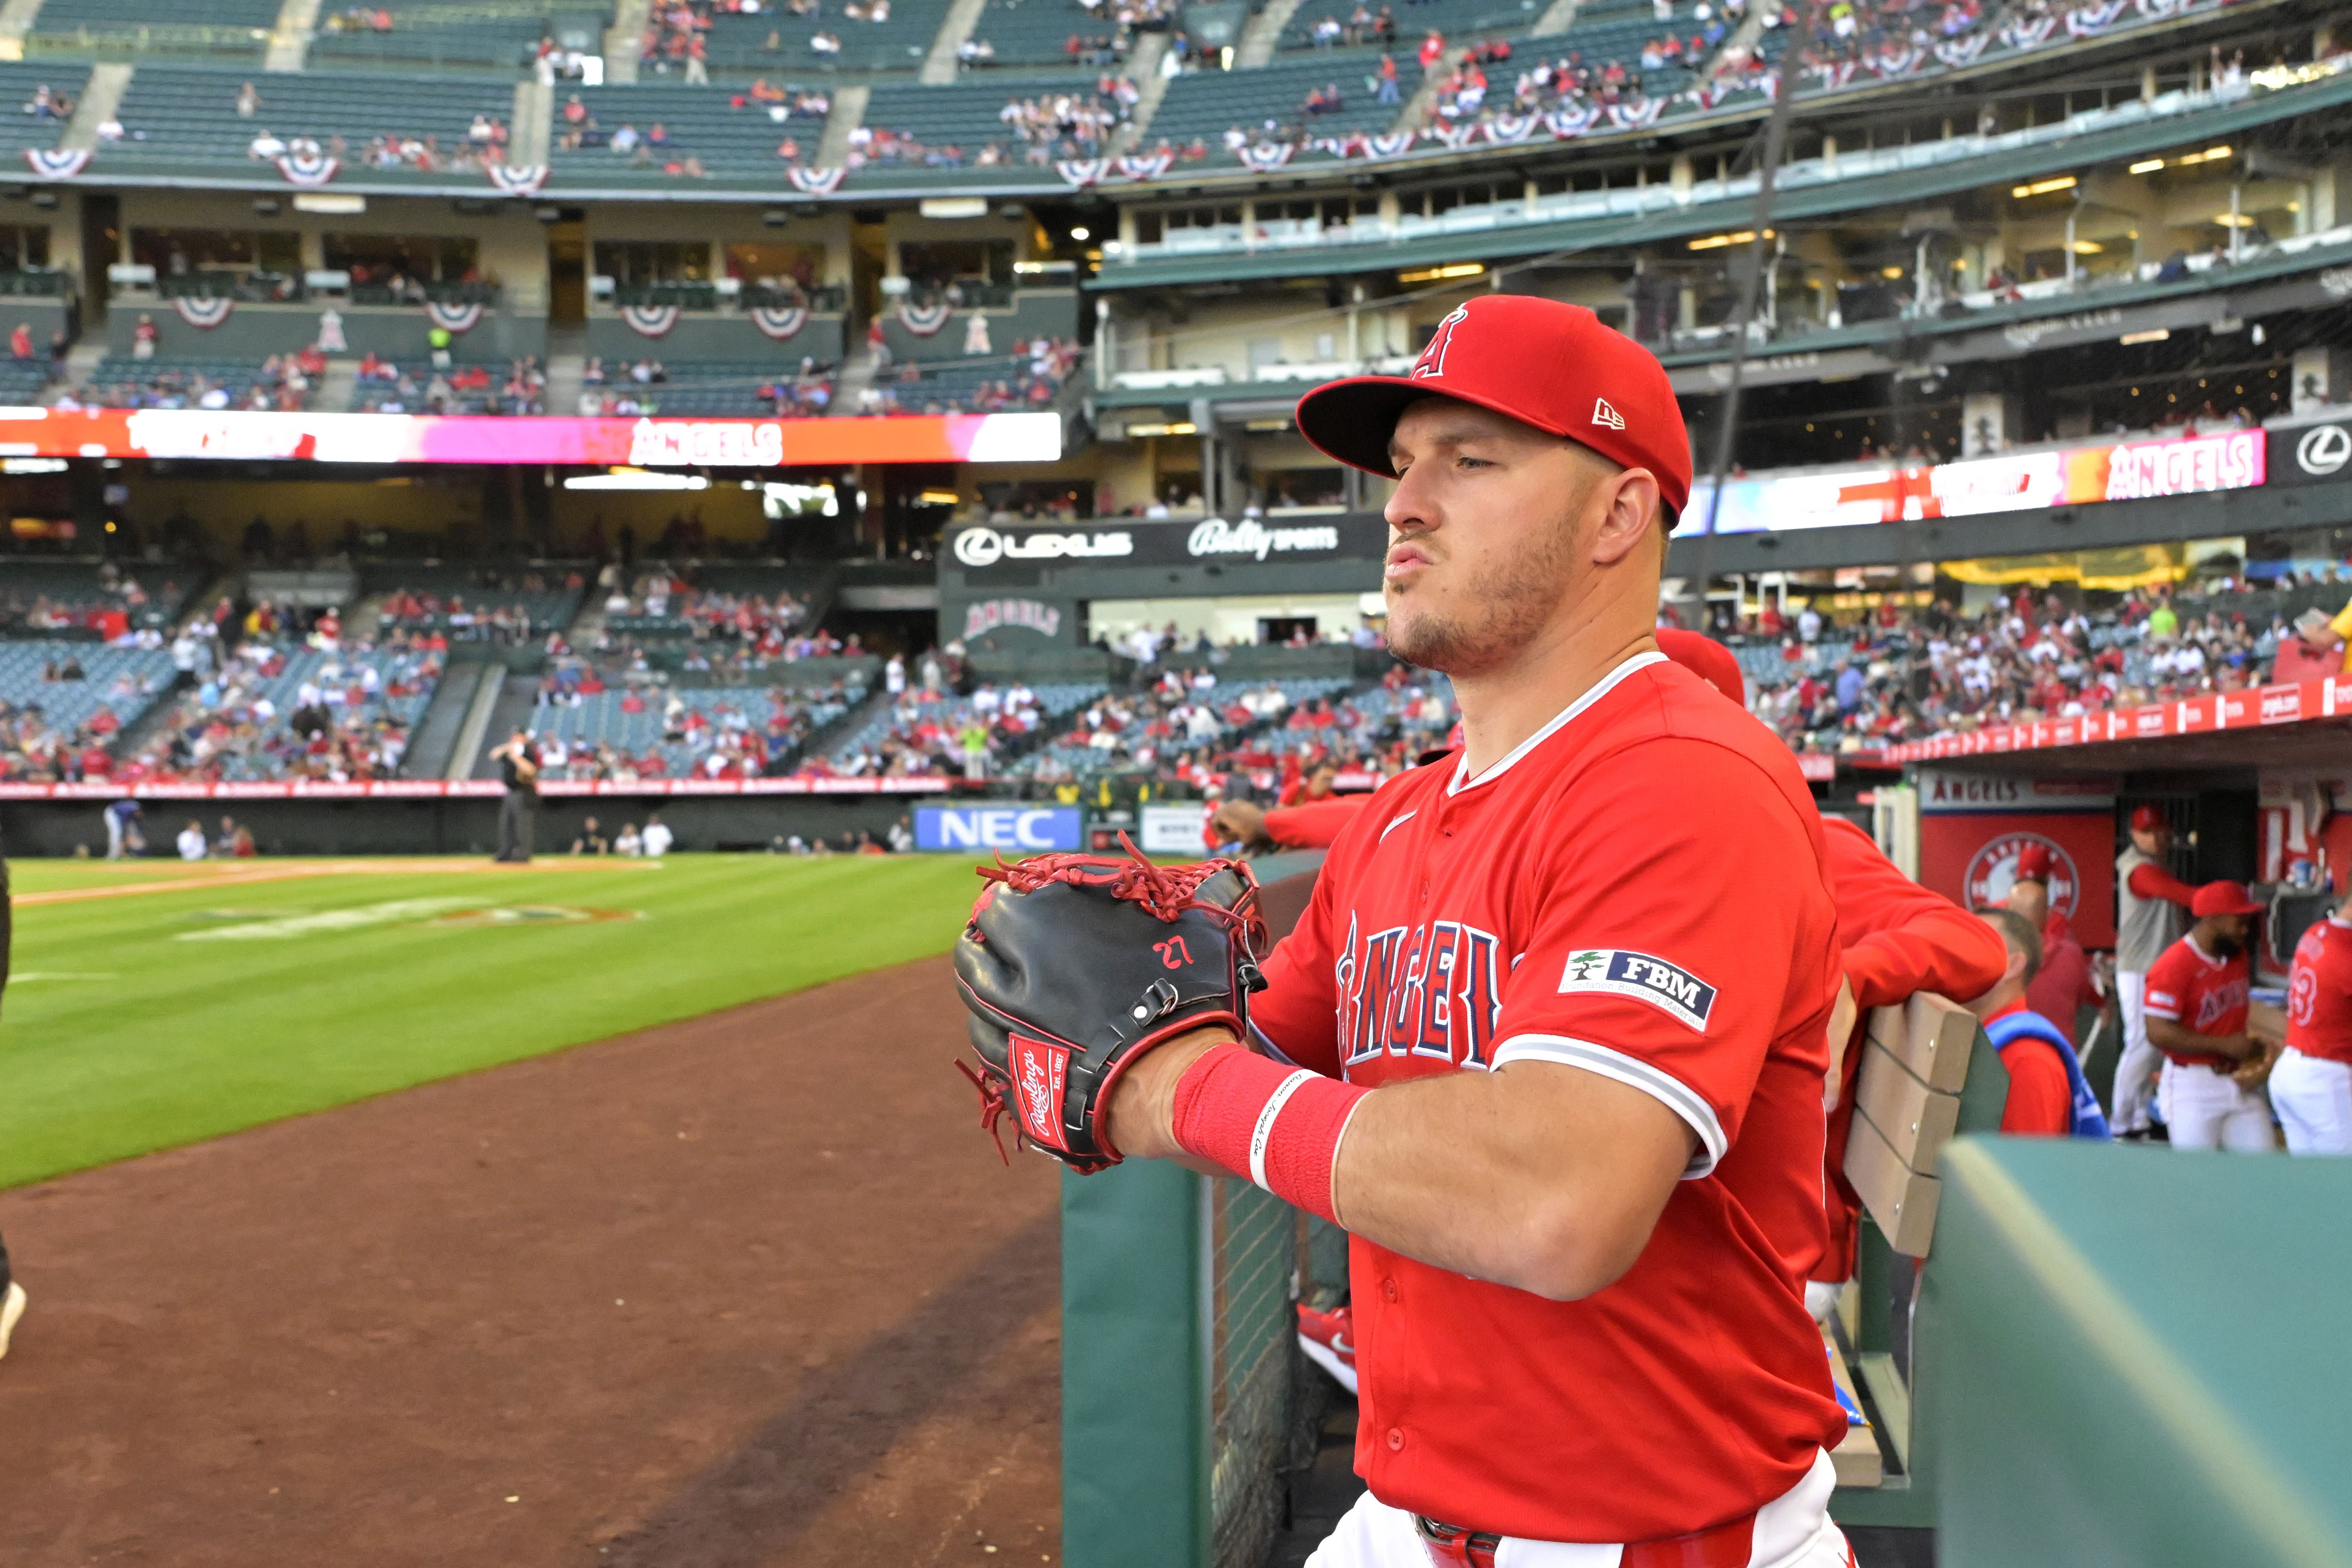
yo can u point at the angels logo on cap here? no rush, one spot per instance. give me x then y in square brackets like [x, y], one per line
[1433, 358]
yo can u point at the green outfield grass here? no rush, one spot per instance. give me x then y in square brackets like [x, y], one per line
[147, 1019]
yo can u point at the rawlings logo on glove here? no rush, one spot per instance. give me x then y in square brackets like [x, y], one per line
[1073, 965]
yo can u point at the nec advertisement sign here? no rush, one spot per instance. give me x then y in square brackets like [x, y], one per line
[1132, 542]
[1015, 829]
[2312, 454]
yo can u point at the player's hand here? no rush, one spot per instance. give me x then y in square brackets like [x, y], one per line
[1842, 1014]
[1240, 821]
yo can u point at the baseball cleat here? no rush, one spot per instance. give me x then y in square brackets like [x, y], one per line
[1329, 1341]
[11, 1307]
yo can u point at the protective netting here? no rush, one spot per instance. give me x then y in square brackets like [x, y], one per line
[1257, 1247]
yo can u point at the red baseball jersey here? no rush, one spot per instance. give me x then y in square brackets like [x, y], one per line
[2319, 992]
[1636, 891]
[2203, 995]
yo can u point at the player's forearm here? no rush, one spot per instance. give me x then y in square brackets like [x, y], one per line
[1543, 1177]
[2180, 1040]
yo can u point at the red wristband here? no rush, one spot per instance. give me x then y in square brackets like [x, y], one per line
[1279, 1126]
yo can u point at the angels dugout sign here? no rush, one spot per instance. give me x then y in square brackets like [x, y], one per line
[1973, 827]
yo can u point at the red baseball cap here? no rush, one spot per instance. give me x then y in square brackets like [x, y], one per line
[2146, 819]
[1707, 658]
[2224, 899]
[2033, 863]
[1540, 361]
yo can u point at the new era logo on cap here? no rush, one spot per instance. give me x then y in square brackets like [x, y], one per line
[1606, 417]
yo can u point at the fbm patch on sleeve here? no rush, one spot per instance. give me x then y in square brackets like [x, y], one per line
[1667, 986]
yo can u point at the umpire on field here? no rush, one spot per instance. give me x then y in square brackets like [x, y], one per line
[518, 813]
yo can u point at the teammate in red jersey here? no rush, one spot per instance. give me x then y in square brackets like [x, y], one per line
[1561, 1036]
[2311, 1087]
[2196, 1017]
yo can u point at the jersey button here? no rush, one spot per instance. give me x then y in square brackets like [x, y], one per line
[1396, 1439]
[1389, 1289]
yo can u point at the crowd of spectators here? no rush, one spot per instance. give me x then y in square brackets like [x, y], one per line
[504, 607]
[342, 721]
[383, 387]
[678, 33]
[283, 382]
[115, 604]
[1032, 378]
[38, 744]
[1363, 26]
[48, 104]
[701, 734]
[1912, 672]
[657, 595]
[929, 732]
[1042, 128]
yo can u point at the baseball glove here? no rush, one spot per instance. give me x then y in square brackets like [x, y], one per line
[1074, 965]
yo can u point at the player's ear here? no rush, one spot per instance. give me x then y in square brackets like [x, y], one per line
[1627, 500]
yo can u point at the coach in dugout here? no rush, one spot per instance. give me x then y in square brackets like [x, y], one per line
[1576, 1265]
[2196, 1017]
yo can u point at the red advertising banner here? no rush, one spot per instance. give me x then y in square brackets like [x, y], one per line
[1972, 829]
[2251, 709]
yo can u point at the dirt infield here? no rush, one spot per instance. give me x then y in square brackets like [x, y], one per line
[747, 1290]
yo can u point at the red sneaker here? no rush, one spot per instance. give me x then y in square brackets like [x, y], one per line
[1329, 1341]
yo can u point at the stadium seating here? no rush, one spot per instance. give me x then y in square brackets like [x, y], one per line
[1037, 32]
[468, 604]
[919, 736]
[653, 733]
[719, 387]
[738, 46]
[1152, 731]
[20, 82]
[121, 382]
[988, 384]
[239, 725]
[1268, 103]
[179, 116]
[968, 117]
[53, 595]
[1456, 19]
[501, 36]
[21, 381]
[142, 27]
[45, 724]
[728, 138]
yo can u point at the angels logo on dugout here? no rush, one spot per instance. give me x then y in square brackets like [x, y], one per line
[1041, 1071]
[1993, 871]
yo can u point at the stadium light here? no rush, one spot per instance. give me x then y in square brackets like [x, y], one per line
[2153, 335]
[1081, 233]
[1718, 241]
[1439, 274]
[2088, 247]
[2147, 166]
[2043, 187]
[636, 479]
[1181, 428]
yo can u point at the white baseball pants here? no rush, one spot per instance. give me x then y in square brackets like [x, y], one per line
[2206, 1110]
[1793, 1531]
[2136, 1067]
[2313, 1097]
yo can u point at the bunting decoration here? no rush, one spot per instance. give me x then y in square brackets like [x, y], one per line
[1083, 172]
[1962, 51]
[206, 312]
[1505, 129]
[517, 179]
[1897, 61]
[2026, 32]
[1634, 114]
[2089, 21]
[308, 169]
[1147, 166]
[1455, 136]
[924, 320]
[1387, 144]
[453, 318]
[781, 322]
[814, 182]
[58, 162]
[1267, 156]
[2158, 7]
[1834, 75]
[650, 320]
[1568, 123]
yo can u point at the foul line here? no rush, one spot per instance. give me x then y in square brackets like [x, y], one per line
[327, 868]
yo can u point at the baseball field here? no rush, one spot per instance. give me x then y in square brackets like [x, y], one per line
[337, 1252]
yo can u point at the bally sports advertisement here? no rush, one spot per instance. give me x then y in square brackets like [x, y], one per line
[1972, 829]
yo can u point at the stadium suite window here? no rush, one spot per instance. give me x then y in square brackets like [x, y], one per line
[24, 246]
[635, 262]
[777, 261]
[173, 252]
[422, 257]
[935, 263]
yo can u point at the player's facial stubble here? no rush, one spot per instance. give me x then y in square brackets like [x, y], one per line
[1503, 600]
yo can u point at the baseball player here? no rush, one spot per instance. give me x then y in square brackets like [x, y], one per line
[2150, 908]
[12, 1295]
[1550, 1039]
[2048, 1095]
[2196, 1008]
[2311, 1087]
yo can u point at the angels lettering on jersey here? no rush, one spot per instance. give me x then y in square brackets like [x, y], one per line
[1431, 992]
